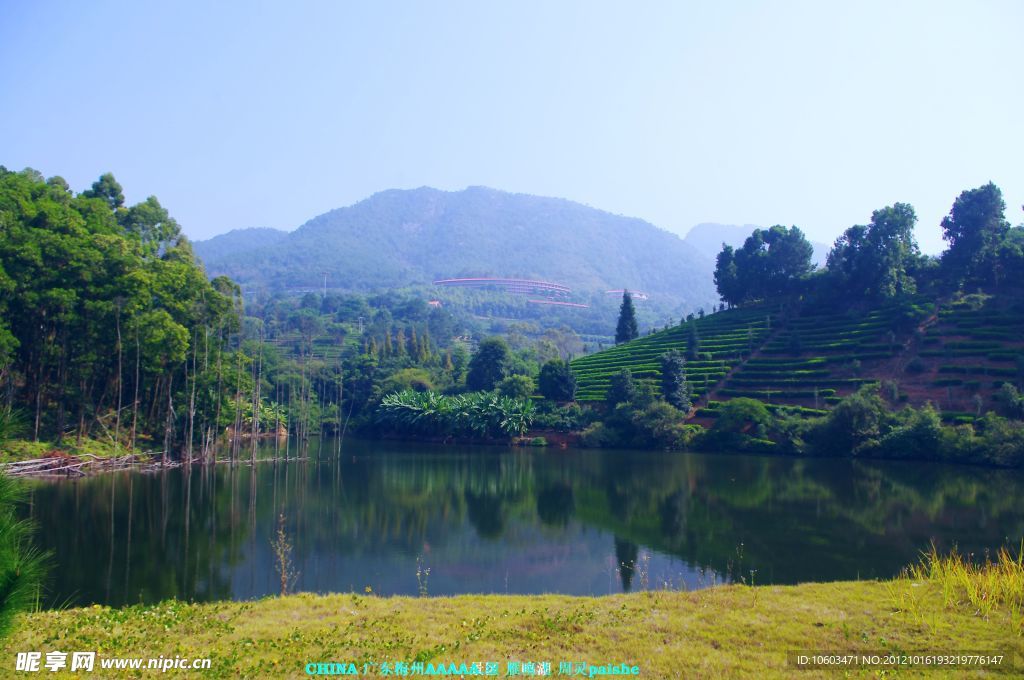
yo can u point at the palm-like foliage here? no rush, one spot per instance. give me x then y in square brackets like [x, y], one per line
[477, 414]
[22, 566]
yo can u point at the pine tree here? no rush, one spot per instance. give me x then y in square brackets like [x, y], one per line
[626, 329]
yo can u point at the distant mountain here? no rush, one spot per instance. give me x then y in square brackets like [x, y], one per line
[412, 237]
[708, 237]
[236, 242]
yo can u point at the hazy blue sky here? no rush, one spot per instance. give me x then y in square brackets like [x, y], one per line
[266, 114]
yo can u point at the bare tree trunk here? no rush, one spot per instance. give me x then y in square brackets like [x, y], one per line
[192, 397]
[220, 374]
[341, 394]
[277, 421]
[117, 416]
[238, 407]
[62, 375]
[256, 401]
[170, 419]
[135, 405]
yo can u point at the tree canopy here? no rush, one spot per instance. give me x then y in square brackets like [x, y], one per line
[557, 381]
[772, 262]
[872, 261]
[975, 229]
[489, 365]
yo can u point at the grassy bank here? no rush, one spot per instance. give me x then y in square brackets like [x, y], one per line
[728, 631]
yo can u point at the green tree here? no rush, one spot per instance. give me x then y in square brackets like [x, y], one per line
[788, 260]
[622, 388]
[726, 276]
[626, 329]
[107, 189]
[516, 387]
[771, 263]
[975, 228]
[489, 365]
[873, 261]
[674, 387]
[855, 424]
[557, 381]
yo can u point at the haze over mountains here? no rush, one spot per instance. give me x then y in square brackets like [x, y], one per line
[400, 238]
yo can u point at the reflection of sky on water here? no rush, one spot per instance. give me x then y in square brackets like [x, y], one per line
[575, 561]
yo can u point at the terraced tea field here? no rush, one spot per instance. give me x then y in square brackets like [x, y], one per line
[725, 339]
[974, 347]
[817, 359]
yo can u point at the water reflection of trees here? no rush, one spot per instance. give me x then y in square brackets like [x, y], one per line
[205, 534]
[794, 520]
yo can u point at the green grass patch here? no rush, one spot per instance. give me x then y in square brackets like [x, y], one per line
[726, 631]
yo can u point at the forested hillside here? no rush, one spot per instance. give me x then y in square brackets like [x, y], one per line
[108, 326]
[399, 238]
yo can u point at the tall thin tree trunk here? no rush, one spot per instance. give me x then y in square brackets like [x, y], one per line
[170, 419]
[277, 421]
[288, 425]
[62, 375]
[341, 394]
[135, 404]
[256, 400]
[192, 397]
[117, 417]
[220, 387]
[235, 443]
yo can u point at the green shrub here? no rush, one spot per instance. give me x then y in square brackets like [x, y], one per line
[600, 436]
[516, 387]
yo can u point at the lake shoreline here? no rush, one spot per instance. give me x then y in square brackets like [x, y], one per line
[733, 630]
[97, 458]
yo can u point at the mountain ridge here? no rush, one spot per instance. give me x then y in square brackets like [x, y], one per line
[404, 237]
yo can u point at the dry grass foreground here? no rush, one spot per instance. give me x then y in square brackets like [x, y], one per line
[942, 606]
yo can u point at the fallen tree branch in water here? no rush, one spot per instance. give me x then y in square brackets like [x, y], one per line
[80, 466]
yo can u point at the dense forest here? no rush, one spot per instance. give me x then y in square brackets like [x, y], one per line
[108, 326]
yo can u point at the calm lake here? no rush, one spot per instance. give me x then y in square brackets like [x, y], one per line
[500, 520]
